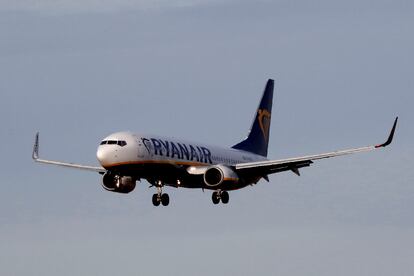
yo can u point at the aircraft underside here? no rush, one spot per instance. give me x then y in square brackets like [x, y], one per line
[175, 176]
[122, 179]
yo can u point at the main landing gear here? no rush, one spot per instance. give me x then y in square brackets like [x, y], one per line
[159, 197]
[220, 195]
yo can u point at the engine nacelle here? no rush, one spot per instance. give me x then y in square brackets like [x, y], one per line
[216, 175]
[118, 184]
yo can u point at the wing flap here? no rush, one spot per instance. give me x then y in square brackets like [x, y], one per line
[300, 160]
[71, 165]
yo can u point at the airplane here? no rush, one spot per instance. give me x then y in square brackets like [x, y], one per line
[127, 157]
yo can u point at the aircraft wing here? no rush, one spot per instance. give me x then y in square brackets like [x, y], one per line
[293, 164]
[36, 158]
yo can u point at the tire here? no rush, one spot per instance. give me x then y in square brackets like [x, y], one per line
[155, 200]
[165, 199]
[225, 197]
[215, 198]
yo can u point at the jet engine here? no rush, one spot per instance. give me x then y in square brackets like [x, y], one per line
[216, 175]
[118, 184]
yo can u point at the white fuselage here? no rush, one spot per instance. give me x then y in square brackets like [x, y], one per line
[126, 148]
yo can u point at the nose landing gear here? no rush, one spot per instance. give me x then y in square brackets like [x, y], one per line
[159, 197]
[220, 195]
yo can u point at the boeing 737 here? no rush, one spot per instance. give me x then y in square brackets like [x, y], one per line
[127, 157]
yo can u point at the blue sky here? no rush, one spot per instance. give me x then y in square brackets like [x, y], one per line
[79, 70]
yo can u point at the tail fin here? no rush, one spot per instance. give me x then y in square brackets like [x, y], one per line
[258, 138]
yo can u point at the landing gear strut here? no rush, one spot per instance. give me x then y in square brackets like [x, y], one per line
[159, 197]
[220, 195]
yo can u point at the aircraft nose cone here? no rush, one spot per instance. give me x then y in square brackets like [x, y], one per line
[103, 156]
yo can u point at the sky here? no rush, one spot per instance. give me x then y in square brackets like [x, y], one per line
[77, 71]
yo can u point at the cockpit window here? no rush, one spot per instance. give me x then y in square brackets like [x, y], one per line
[114, 142]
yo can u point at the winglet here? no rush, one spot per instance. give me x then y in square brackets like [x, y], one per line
[35, 154]
[389, 140]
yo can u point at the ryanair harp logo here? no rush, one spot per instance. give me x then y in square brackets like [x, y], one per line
[264, 122]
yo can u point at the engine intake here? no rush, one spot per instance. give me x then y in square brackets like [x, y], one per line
[118, 184]
[218, 174]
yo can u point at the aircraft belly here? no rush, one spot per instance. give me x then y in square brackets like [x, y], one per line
[169, 174]
[173, 175]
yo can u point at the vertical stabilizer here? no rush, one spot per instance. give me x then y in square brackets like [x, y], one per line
[258, 138]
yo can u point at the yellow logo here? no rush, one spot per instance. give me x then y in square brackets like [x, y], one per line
[264, 122]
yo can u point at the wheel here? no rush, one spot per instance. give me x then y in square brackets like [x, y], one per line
[225, 197]
[215, 198]
[165, 199]
[155, 200]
